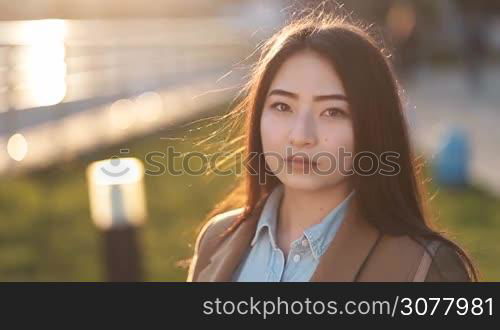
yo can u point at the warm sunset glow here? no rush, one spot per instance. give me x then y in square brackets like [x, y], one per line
[122, 114]
[17, 147]
[41, 69]
[149, 106]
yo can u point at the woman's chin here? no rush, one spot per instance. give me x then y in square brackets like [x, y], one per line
[305, 181]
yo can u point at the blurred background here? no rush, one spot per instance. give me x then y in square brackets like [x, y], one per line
[87, 80]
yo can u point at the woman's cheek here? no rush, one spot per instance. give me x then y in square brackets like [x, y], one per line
[345, 153]
[339, 145]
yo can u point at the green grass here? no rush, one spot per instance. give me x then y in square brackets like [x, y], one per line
[46, 233]
[472, 218]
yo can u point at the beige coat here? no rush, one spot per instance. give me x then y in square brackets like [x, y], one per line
[358, 252]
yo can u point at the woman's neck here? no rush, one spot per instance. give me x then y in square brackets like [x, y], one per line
[300, 209]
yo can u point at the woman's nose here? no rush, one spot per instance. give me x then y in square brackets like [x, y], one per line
[303, 132]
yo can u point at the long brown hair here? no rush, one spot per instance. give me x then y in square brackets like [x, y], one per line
[392, 203]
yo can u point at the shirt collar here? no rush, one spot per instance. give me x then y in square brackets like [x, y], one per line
[318, 236]
[321, 234]
[269, 214]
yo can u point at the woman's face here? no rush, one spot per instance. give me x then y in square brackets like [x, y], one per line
[306, 113]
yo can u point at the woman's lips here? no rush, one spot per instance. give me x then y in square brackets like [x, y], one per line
[301, 162]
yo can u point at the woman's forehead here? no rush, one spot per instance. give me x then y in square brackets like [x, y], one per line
[309, 74]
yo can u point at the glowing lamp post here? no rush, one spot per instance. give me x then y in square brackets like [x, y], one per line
[118, 208]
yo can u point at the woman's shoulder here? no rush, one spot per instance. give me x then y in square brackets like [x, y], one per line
[437, 261]
[217, 224]
[447, 264]
[223, 220]
[206, 240]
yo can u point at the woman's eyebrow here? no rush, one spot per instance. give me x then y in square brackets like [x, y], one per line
[315, 98]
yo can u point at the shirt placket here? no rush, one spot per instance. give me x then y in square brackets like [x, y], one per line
[296, 257]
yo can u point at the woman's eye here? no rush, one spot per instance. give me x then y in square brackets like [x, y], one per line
[281, 107]
[335, 112]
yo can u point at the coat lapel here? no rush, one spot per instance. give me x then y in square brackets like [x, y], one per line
[341, 262]
[348, 251]
[230, 252]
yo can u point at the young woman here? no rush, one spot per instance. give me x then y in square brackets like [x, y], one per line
[331, 191]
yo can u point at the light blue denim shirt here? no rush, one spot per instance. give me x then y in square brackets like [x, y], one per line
[265, 261]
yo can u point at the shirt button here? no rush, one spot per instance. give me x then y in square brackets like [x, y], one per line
[296, 258]
[304, 242]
